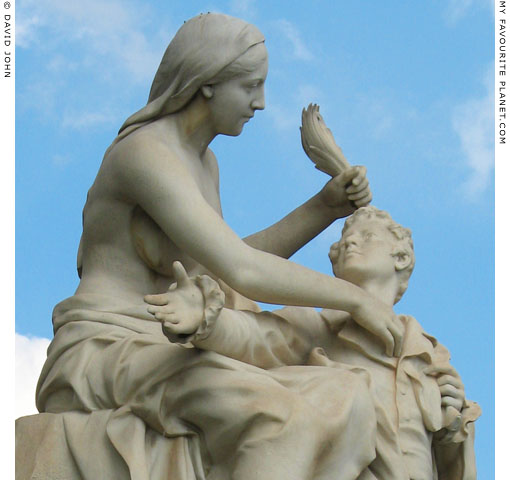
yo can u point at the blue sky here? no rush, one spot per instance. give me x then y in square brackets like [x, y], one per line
[405, 87]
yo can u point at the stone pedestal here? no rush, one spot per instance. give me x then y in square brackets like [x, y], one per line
[41, 449]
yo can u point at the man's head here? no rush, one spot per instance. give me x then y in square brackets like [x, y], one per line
[374, 247]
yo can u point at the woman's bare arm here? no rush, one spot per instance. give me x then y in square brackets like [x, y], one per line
[338, 199]
[156, 180]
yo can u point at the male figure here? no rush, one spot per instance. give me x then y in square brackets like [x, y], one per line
[424, 422]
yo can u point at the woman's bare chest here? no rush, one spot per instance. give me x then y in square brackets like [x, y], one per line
[155, 247]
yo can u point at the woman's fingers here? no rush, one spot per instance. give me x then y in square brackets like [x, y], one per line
[352, 189]
[358, 175]
[363, 201]
[353, 176]
[392, 336]
[358, 191]
[389, 341]
[359, 195]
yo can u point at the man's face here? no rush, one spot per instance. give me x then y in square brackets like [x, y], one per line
[365, 252]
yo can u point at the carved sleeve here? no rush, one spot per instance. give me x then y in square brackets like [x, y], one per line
[265, 339]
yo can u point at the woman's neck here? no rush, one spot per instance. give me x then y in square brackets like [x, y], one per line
[193, 125]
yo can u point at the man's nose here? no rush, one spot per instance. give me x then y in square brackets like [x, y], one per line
[351, 239]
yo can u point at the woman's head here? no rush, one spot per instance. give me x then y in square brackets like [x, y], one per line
[206, 49]
[233, 96]
[245, 64]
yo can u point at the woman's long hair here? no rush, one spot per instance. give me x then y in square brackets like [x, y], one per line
[203, 50]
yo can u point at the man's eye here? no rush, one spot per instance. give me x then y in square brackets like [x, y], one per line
[369, 236]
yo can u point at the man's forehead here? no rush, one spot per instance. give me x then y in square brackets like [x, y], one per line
[366, 224]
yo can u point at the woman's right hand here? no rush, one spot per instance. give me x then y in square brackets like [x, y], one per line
[380, 319]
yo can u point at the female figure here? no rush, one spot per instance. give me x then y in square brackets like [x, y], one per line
[155, 200]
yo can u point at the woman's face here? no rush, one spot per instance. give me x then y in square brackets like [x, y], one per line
[235, 100]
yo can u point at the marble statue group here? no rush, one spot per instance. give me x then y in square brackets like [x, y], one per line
[163, 366]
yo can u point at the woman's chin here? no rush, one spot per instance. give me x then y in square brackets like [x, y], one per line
[234, 132]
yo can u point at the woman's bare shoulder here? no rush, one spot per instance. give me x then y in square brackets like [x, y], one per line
[144, 143]
[142, 154]
[146, 164]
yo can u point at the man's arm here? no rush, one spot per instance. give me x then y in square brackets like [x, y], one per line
[453, 445]
[192, 312]
[339, 198]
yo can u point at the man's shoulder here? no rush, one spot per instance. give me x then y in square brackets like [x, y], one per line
[307, 320]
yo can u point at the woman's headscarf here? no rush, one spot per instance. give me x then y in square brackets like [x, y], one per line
[201, 48]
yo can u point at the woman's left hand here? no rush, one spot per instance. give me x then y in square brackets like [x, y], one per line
[346, 192]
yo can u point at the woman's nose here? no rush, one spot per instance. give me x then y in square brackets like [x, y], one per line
[259, 103]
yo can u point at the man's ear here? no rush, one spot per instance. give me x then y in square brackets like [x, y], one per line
[333, 256]
[402, 261]
[207, 91]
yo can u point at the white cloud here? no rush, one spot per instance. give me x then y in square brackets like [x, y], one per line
[332, 234]
[39, 95]
[80, 121]
[61, 160]
[288, 117]
[30, 355]
[457, 9]
[291, 33]
[473, 123]
[383, 121]
[26, 30]
[244, 8]
[59, 64]
[381, 115]
[307, 94]
[96, 42]
[282, 117]
[109, 30]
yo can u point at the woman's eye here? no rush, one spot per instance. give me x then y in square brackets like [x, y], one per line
[251, 86]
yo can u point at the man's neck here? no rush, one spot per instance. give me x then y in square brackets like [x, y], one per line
[386, 291]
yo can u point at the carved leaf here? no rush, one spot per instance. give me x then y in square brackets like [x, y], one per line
[319, 144]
